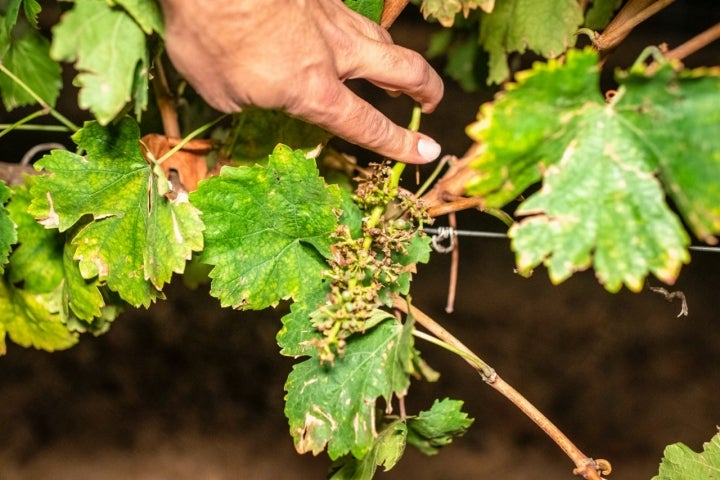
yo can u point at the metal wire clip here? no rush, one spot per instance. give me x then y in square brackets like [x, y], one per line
[443, 234]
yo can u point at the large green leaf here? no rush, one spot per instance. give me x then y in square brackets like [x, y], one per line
[26, 54]
[334, 405]
[602, 201]
[8, 235]
[681, 463]
[546, 28]
[268, 229]
[133, 238]
[106, 45]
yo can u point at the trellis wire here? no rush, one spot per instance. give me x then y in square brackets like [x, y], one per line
[443, 233]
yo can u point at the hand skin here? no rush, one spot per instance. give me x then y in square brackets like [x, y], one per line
[294, 55]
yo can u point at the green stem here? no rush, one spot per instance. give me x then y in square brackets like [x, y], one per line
[475, 361]
[7, 128]
[189, 137]
[433, 176]
[501, 215]
[57, 115]
[415, 118]
[22, 125]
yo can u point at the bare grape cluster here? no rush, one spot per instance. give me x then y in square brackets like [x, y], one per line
[363, 270]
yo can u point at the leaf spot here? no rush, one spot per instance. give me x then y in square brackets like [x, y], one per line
[52, 220]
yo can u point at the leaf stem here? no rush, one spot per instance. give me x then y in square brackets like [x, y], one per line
[584, 465]
[22, 125]
[7, 128]
[433, 176]
[57, 115]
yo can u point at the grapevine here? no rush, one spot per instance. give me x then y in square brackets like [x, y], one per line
[258, 206]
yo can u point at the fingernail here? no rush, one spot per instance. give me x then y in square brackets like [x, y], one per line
[428, 149]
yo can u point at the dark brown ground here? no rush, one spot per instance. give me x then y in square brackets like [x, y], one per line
[187, 390]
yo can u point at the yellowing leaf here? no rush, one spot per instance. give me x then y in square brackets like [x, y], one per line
[446, 10]
[8, 235]
[128, 235]
[32, 320]
[334, 405]
[604, 167]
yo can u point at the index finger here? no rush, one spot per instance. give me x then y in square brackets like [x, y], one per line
[337, 109]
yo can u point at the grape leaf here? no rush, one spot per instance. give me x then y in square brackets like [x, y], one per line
[334, 405]
[147, 14]
[256, 132]
[27, 56]
[681, 463]
[386, 451]
[676, 117]
[82, 297]
[106, 45]
[32, 320]
[444, 11]
[8, 235]
[418, 251]
[31, 8]
[515, 129]
[297, 336]
[136, 238]
[267, 229]
[462, 62]
[435, 428]
[546, 28]
[602, 201]
[36, 261]
[600, 13]
[41, 261]
[371, 9]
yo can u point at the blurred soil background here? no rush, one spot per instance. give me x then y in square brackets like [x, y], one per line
[187, 390]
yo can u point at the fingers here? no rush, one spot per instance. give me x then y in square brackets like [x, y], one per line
[398, 70]
[363, 49]
[342, 113]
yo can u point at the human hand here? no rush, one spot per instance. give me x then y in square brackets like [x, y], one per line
[294, 55]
